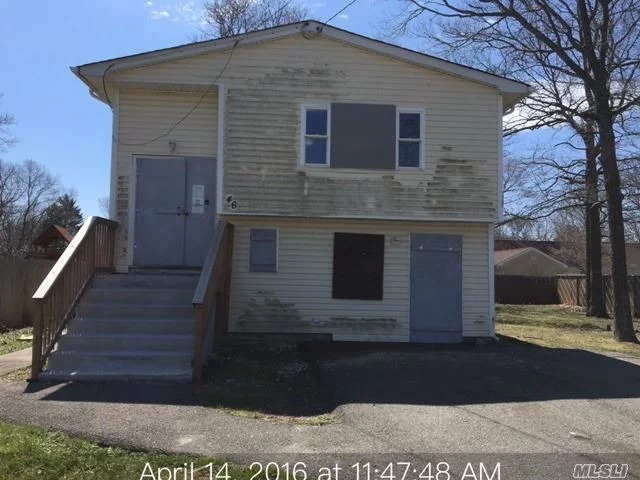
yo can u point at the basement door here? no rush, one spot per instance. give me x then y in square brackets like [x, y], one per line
[436, 288]
[174, 211]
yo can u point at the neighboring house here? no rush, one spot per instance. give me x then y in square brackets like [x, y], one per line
[633, 259]
[363, 180]
[528, 262]
[51, 242]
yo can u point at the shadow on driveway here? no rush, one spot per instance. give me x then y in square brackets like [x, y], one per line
[508, 371]
[335, 374]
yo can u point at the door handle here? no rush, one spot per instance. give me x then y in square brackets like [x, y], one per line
[169, 211]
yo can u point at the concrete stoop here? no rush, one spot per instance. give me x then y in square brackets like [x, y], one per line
[129, 327]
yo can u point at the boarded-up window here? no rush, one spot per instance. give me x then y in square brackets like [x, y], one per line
[358, 266]
[263, 250]
[363, 136]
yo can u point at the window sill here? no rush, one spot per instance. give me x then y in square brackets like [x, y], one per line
[325, 170]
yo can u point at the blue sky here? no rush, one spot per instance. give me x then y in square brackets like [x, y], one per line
[57, 123]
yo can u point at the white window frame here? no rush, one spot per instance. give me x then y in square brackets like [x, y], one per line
[303, 133]
[421, 140]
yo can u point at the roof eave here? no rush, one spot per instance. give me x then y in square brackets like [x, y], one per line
[92, 89]
[507, 87]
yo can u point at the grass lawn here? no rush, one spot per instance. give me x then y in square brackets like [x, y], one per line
[10, 340]
[28, 453]
[559, 326]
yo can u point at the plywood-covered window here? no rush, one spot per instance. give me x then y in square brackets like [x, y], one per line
[316, 121]
[410, 141]
[358, 266]
[363, 136]
[263, 250]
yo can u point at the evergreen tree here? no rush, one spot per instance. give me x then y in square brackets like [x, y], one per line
[64, 212]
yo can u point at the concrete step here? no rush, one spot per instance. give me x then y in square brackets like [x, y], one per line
[132, 326]
[117, 310]
[123, 361]
[179, 296]
[98, 374]
[107, 342]
[146, 281]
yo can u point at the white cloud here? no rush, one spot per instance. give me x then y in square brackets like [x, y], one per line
[344, 16]
[185, 11]
[159, 14]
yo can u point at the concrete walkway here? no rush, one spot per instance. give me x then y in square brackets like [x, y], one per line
[10, 362]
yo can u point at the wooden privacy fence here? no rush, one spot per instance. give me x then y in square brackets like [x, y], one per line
[90, 251]
[572, 290]
[19, 278]
[520, 290]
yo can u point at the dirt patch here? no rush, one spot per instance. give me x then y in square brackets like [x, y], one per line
[277, 384]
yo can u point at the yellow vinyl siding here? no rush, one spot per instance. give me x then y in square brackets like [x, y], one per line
[298, 298]
[144, 115]
[265, 85]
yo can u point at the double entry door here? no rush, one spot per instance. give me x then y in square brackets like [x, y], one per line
[175, 213]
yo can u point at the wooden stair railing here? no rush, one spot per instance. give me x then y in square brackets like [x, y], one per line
[90, 251]
[211, 298]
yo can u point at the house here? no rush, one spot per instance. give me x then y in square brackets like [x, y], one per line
[528, 262]
[51, 242]
[358, 184]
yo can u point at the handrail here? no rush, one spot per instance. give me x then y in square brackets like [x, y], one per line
[91, 250]
[211, 297]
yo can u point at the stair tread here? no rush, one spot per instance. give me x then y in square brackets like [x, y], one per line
[122, 353]
[120, 304]
[165, 319]
[125, 336]
[175, 374]
[102, 341]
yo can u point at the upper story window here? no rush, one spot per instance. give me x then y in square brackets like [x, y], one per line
[409, 150]
[316, 128]
[362, 136]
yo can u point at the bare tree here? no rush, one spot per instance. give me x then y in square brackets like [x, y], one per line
[6, 139]
[103, 205]
[26, 190]
[224, 18]
[589, 44]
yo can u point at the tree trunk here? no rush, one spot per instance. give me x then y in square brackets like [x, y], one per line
[623, 324]
[596, 306]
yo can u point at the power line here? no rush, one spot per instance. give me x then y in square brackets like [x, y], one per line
[186, 115]
[341, 10]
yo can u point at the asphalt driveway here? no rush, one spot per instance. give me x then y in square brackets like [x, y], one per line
[502, 399]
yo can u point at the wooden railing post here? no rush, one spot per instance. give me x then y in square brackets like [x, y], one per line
[211, 298]
[36, 350]
[197, 351]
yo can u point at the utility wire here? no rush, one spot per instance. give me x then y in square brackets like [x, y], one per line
[186, 115]
[341, 10]
[318, 31]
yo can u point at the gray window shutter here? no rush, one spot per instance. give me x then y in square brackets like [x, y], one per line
[263, 250]
[363, 136]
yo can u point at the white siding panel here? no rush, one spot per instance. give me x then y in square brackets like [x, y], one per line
[298, 297]
[144, 115]
[265, 85]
